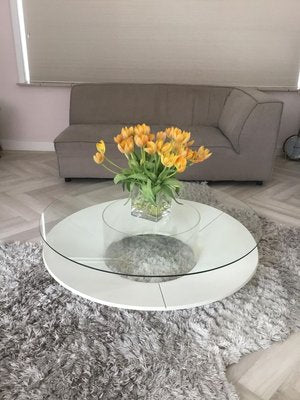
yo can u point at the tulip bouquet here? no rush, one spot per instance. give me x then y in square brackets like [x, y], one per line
[153, 162]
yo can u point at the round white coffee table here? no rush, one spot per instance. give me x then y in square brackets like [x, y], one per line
[224, 245]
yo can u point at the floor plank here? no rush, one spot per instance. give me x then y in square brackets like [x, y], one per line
[29, 182]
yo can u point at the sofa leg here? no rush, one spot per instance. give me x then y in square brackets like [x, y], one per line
[68, 179]
[259, 183]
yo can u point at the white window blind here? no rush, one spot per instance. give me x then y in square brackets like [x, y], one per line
[221, 42]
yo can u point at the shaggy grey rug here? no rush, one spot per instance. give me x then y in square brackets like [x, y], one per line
[150, 255]
[55, 345]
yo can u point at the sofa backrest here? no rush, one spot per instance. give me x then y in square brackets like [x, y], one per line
[182, 105]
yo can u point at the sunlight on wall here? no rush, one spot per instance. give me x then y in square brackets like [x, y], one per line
[23, 40]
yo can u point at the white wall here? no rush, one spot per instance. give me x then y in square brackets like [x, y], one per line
[31, 117]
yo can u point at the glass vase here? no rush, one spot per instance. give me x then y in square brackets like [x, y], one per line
[143, 208]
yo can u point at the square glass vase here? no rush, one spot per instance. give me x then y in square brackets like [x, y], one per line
[143, 208]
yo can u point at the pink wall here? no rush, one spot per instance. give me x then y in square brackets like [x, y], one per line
[34, 114]
[38, 114]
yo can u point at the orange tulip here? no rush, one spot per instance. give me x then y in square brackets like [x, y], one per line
[190, 143]
[99, 158]
[159, 145]
[141, 140]
[189, 154]
[119, 138]
[141, 129]
[126, 146]
[201, 155]
[186, 136]
[170, 132]
[179, 138]
[150, 147]
[161, 135]
[127, 132]
[179, 149]
[168, 160]
[173, 132]
[180, 164]
[167, 147]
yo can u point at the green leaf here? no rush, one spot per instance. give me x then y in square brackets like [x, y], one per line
[151, 175]
[149, 165]
[131, 186]
[138, 176]
[119, 178]
[168, 191]
[173, 182]
[133, 164]
[156, 189]
[126, 171]
[147, 191]
[128, 185]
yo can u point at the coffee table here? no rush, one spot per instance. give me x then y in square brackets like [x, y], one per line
[204, 251]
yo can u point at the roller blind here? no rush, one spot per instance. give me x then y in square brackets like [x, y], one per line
[221, 42]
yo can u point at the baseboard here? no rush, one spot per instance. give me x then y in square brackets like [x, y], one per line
[24, 145]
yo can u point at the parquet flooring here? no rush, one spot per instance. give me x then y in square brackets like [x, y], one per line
[29, 182]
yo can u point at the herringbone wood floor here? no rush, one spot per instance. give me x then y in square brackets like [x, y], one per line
[29, 182]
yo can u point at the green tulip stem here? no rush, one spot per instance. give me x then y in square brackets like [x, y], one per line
[112, 163]
[108, 169]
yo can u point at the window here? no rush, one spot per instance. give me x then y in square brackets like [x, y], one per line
[221, 42]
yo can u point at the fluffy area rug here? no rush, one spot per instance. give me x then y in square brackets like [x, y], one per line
[55, 345]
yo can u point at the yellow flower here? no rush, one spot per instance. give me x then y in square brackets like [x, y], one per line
[141, 129]
[161, 135]
[201, 155]
[126, 146]
[173, 132]
[150, 147]
[99, 158]
[168, 159]
[159, 145]
[186, 136]
[141, 140]
[167, 147]
[180, 164]
[101, 146]
[179, 148]
[119, 138]
[189, 154]
[163, 147]
[179, 138]
[127, 132]
[182, 137]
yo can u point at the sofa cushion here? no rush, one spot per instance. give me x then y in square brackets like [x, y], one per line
[237, 109]
[90, 133]
[208, 136]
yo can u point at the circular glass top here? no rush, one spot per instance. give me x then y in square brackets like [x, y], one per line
[94, 229]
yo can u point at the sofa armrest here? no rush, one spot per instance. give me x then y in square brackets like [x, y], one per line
[260, 132]
[250, 110]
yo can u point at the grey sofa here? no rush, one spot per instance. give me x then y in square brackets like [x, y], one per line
[240, 126]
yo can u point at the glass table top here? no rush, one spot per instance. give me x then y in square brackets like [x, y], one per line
[95, 229]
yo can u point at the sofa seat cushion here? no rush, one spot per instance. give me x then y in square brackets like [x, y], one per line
[208, 136]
